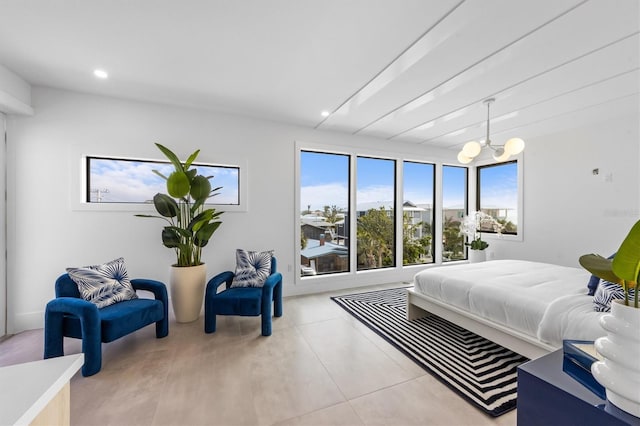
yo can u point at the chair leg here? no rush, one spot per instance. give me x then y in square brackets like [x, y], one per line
[277, 300]
[266, 320]
[209, 319]
[91, 345]
[53, 338]
[162, 327]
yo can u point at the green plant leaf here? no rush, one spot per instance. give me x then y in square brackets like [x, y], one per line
[201, 238]
[626, 263]
[159, 174]
[165, 205]
[191, 159]
[599, 266]
[178, 185]
[170, 238]
[171, 156]
[200, 188]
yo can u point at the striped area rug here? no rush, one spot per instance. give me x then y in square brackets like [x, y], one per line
[480, 371]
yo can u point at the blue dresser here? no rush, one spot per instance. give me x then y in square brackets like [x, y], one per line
[549, 396]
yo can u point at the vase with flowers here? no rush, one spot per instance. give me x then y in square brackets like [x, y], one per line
[619, 372]
[471, 227]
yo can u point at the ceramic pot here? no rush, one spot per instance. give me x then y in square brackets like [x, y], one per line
[187, 291]
[619, 373]
[476, 256]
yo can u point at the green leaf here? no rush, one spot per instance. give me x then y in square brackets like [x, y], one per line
[178, 185]
[165, 205]
[200, 188]
[599, 266]
[201, 238]
[626, 263]
[170, 238]
[159, 174]
[191, 159]
[171, 156]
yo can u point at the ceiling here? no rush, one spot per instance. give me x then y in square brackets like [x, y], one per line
[407, 71]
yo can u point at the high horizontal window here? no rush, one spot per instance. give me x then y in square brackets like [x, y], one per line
[498, 195]
[114, 180]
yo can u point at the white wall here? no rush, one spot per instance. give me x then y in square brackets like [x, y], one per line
[15, 93]
[45, 235]
[568, 212]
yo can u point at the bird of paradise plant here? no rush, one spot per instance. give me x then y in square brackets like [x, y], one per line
[623, 269]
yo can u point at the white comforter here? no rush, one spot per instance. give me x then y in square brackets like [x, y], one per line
[545, 301]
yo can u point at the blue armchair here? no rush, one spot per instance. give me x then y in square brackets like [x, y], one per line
[71, 316]
[243, 301]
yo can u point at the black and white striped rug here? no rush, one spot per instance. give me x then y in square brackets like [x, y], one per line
[480, 371]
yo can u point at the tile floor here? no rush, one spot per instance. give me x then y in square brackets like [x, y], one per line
[320, 367]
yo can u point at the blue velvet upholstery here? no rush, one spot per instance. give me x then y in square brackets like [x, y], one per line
[243, 301]
[68, 315]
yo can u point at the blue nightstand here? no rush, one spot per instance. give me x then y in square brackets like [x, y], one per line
[549, 396]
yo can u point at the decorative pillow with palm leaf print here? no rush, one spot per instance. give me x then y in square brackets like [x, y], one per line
[104, 284]
[606, 293]
[252, 268]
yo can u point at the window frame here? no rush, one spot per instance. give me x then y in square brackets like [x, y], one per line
[433, 211]
[492, 236]
[355, 278]
[79, 185]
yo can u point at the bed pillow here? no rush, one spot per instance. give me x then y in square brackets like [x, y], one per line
[606, 293]
[104, 284]
[252, 268]
[592, 285]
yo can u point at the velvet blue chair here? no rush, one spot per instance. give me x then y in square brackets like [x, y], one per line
[71, 316]
[243, 301]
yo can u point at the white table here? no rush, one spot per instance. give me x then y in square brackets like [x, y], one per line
[38, 392]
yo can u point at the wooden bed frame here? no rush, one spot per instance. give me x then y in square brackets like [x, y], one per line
[420, 305]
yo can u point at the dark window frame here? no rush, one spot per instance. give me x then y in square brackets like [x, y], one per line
[478, 189]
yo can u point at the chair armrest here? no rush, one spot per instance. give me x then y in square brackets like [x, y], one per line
[272, 280]
[215, 282]
[158, 288]
[73, 306]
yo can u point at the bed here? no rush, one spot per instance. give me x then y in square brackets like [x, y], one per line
[528, 307]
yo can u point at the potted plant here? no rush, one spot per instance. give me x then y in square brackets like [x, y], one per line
[189, 228]
[471, 227]
[619, 373]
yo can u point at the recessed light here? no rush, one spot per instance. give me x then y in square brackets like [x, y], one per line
[100, 74]
[325, 113]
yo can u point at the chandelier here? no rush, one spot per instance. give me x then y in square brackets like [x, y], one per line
[472, 149]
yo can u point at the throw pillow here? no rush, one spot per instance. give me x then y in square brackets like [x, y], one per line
[104, 284]
[252, 268]
[592, 285]
[606, 293]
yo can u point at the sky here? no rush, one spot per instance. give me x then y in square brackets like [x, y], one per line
[129, 181]
[324, 181]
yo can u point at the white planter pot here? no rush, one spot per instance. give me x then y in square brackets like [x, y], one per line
[187, 291]
[619, 373]
[476, 256]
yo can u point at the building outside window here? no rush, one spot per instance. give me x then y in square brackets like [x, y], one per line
[417, 211]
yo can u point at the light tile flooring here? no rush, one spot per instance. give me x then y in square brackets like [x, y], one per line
[320, 367]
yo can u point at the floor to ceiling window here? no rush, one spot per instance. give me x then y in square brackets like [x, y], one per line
[375, 204]
[324, 208]
[417, 212]
[454, 208]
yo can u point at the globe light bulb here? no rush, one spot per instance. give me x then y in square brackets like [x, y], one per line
[514, 146]
[463, 158]
[471, 149]
[500, 155]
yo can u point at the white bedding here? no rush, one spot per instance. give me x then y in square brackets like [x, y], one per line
[545, 301]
